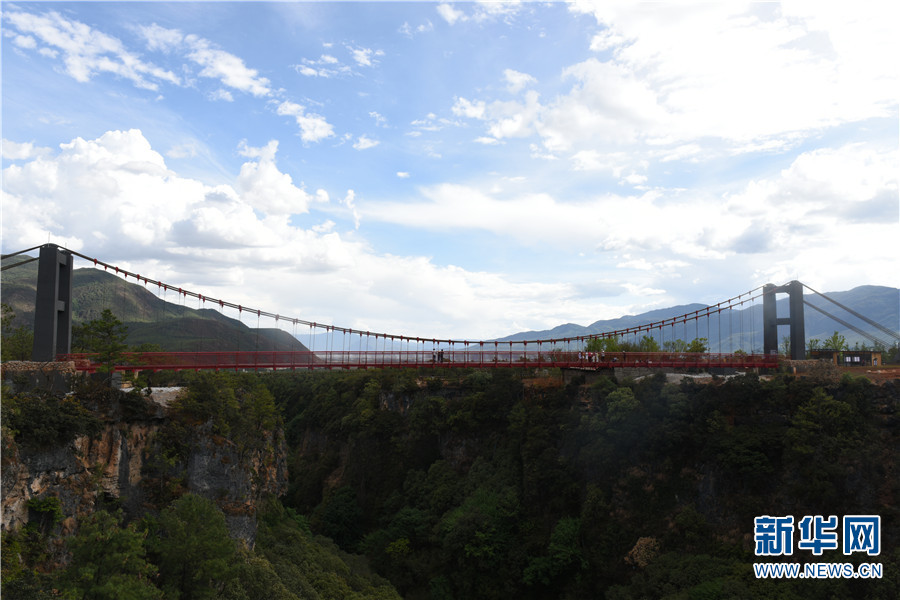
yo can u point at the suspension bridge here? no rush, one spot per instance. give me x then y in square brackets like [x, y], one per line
[365, 349]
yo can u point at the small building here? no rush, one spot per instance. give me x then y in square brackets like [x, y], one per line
[849, 358]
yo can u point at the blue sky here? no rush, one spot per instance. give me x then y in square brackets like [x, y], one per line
[462, 170]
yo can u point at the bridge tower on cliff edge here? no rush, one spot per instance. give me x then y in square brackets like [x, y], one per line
[794, 321]
[53, 304]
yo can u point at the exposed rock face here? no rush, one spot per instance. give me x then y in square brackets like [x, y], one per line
[79, 474]
[113, 468]
[238, 480]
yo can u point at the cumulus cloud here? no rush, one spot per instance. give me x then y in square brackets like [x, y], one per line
[505, 119]
[25, 41]
[114, 197]
[221, 94]
[681, 84]
[365, 57]
[469, 109]
[226, 67]
[709, 83]
[313, 127]
[826, 203]
[364, 143]
[262, 186]
[517, 81]
[450, 14]
[16, 151]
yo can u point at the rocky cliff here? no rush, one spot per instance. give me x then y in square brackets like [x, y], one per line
[119, 466]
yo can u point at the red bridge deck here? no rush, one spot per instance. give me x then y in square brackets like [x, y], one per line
[377, 359]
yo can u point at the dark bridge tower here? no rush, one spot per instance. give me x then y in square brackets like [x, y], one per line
[53, 305]
[795, 321]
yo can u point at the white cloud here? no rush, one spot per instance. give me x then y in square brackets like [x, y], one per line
[265, 188]
[483, 11]
[450, 14]
[407, 30]
[16, 151]
[25, 41]
[514, 119]
[810, 66]
[124, 205]
[364, 143]
[402, 174]
[221, 94]
[309, 71]
[161, 38]
[517, 81]
[86, 51]
[187, 150]
[364, 57]
[469, 109]
[218, 64]
[635, 179]
[829, 202]
[681, 83]
[350, 202]
[226, 67]
[313, 127]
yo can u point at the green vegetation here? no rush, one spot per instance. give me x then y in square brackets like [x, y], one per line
[186, 554]
[109, 562]
[41, 419]
[835, 342]
[493, 484]
[15, 342]
[104, 336]
[173, 323]
[180, 548]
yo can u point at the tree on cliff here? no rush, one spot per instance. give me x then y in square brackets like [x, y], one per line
[105, 336]
[192, 549]
[108, 562]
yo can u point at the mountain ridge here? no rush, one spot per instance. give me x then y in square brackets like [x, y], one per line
[150, 319]
[878, 303]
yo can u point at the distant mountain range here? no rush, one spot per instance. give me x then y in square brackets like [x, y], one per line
[174, 327]
[177, 327]
[742, 329]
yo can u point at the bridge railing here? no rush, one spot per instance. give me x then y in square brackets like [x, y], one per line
[440, 358]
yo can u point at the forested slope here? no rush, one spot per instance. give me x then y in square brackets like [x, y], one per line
[474, 484]
[491, 485]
